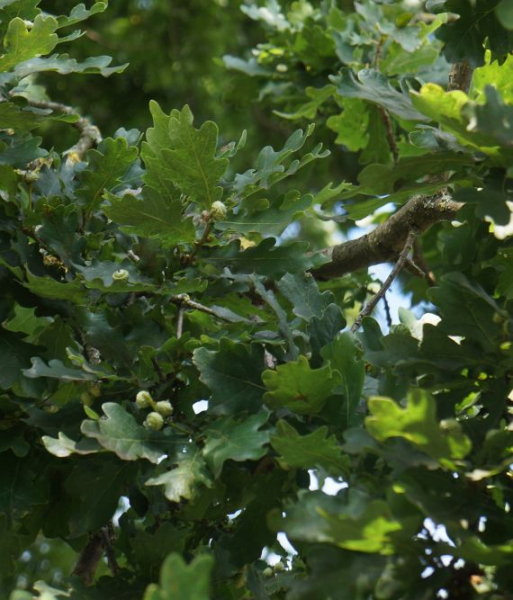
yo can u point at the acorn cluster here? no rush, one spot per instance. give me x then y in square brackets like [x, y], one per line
[160, 411]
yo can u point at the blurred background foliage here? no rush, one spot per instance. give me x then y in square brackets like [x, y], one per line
[174, 52]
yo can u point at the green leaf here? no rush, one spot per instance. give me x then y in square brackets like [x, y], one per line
[417, 423]
[21, 487]
[265, 259]
[59, 231]
[228, 439]
[105, 168]
[185, 155]
[493, 73]
[324, 330]
[47, 287]
[399, 62]
[272, 165]
[490, 202]
[64, 446]
[317, 449]
[120, 433]
[81, 13]
[382, 179]
[179, 581]
[308, 110]
[95, 488]
[23, 43]
[348, 371]
[457, 115]
[464, 37]
[183, 479]
[351, 126]
[57, 370]
[302, 292]
[14, 356]
[64, 65]
[233, 374]
[154, 216]
[371, 85]
[12, 116]
[467, 310]
[271, 220]
[297, 387]
[319, 518]
[151, 548]
[493, 120]
[505, 14]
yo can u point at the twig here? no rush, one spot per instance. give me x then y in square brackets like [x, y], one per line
[179, 323]
[460, 77]
[108, 535]
[367, 310]
[157, 368]
[420, 261]
[392, 144]
[88, 559]
[387, 240]
[420, 213]
[206, 232]
[414, 269]
[377, 56]
[89, 134]
[184, 300]
[387, 311]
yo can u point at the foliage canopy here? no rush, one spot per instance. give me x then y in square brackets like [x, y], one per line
[184, 376]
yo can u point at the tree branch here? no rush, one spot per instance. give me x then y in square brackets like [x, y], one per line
[89, 134]
[371, 305]
[460, 77]
[385, 243]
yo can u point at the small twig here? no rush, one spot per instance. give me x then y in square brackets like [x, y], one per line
[460, 77]
[387, 311]
[367, 310]
[206, 232]
[108, 535]
[89, 134]
[420, 261]
[179, 323]
[184, 300]
[269, 360]
[88, 559]
[412, 268]
[392, 144]
[156, 366]
[377, 56]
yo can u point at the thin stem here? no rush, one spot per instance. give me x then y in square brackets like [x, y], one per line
[108, 535]
[371, 305]
[387, 311]
[199, 244]
[179, 323]
[157, 368]
[392, 144]
[184, 300]
[420, 261]
[89, 134]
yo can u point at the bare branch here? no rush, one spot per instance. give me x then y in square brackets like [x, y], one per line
[89, 558]
[387, 240]
[371, 305]
[89, 134]
[460, 77]
[179, 323]
[392, 144]
[184, 300]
